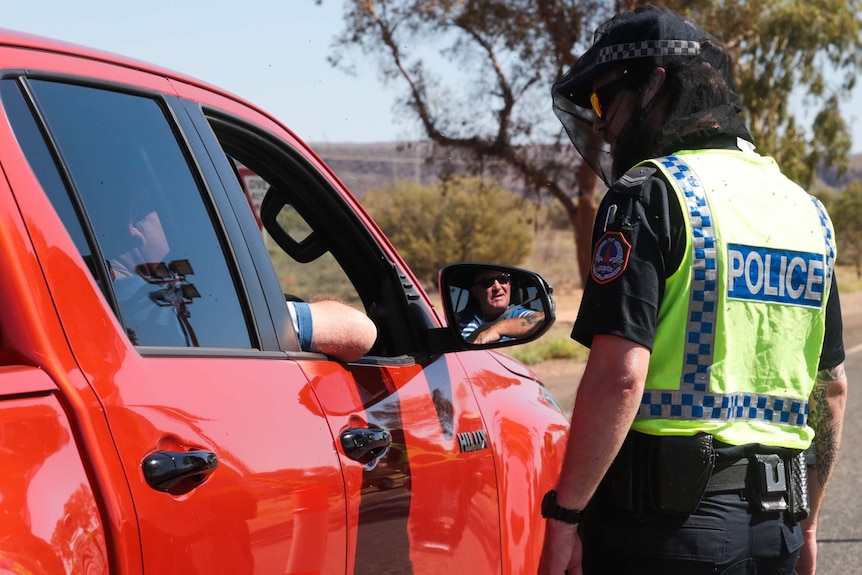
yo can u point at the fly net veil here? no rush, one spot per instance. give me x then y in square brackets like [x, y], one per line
[698, 89]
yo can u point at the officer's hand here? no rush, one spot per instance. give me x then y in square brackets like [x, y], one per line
[561, 551]
[807, 563]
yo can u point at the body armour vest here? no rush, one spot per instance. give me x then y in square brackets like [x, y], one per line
[741, 325]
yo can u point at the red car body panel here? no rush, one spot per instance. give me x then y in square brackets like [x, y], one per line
[449, 496]
[475, 440]
[527, 452]
[33, 336]
[48, 526]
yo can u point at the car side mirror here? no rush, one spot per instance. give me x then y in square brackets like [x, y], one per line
[490, 305]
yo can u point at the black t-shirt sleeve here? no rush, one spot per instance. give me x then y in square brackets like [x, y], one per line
[638, 240]
[833, 341]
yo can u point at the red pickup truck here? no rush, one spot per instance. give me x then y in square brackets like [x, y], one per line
[157, 413]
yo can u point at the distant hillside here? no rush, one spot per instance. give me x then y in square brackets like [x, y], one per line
[854, 173]
[364, 167]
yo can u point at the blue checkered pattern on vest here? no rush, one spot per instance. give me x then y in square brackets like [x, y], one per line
[693, 400]
[830, 240]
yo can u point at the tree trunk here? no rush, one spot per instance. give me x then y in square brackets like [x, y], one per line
[584, 218]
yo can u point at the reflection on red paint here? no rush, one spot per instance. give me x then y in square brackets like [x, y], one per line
[35, 537]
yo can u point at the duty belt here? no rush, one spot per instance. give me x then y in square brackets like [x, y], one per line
[777, 484]
[672, 474]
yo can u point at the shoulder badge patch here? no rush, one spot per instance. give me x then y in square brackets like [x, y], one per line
[611, 257]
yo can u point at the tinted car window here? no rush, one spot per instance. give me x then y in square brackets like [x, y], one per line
[315, 242]
[154, 236]
[39, 156]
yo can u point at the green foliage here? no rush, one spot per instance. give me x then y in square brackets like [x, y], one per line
[320, 278]
[791, 57]
[827, 197]
[794, 62]
[475, 76]
[462, 219]
[846, 213]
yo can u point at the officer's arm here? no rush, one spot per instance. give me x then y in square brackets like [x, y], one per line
[826, 414]
[606, 404]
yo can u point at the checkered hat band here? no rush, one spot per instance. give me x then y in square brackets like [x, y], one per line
[647, 49]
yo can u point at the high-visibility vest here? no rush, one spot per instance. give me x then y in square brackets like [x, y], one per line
[741, 325]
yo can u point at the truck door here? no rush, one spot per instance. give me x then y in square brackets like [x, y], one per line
[420, 477]
[226, 450]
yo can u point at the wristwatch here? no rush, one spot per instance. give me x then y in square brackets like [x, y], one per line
[552, 510]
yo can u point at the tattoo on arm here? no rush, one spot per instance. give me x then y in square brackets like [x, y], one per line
[821, 420]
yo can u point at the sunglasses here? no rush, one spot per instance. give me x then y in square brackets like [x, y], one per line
[604, 95]
[487, 282]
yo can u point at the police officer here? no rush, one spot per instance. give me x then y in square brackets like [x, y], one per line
[713, 321]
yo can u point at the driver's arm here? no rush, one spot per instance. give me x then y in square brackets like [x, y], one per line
[333, 328]
[515, 327]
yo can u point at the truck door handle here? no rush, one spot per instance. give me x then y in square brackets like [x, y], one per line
[364, 445]
[166, 470]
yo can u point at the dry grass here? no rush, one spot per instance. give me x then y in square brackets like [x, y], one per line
[554, 258]
[848, 280]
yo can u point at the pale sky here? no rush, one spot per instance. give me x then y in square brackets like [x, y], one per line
[270, 52]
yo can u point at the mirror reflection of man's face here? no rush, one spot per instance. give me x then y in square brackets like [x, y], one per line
[493, 291]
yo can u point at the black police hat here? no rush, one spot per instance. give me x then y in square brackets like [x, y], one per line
[647, 32]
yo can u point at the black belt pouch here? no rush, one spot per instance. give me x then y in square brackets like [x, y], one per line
[681, 467]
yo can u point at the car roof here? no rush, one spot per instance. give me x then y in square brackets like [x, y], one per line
[24, 40]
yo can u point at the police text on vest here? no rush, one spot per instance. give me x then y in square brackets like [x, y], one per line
[780, 276]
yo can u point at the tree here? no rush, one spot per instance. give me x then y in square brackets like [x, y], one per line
[846, 212]
[499, 111]
[462, 219]
[808, 52]
[511, 51]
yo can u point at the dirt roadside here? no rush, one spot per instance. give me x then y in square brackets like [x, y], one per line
[561, 377]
